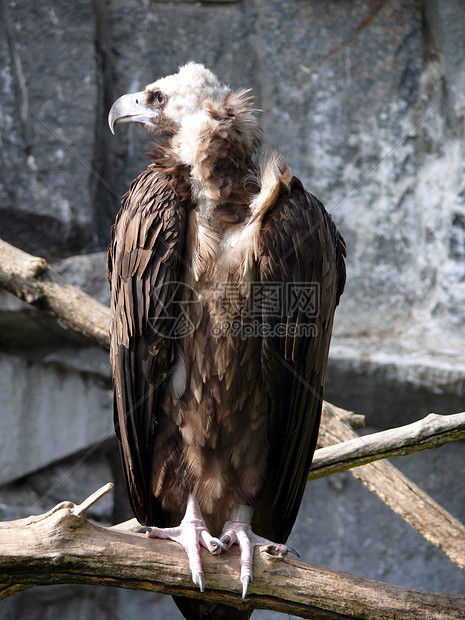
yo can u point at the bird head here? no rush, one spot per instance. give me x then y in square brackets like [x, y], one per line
[163, 106]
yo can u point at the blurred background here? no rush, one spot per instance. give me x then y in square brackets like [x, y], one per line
[366, 100]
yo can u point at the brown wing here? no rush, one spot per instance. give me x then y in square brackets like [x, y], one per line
[144, 264]
[304, 254]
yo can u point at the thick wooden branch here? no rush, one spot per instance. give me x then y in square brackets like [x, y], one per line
[61, 546]
[430, 432]
[402, 495]
[32, 280]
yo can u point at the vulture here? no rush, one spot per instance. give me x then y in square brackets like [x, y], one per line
[225, 274]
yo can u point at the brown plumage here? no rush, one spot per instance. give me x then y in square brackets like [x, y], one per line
[218, 365]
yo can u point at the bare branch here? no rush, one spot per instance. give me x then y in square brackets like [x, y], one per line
[92, 499]
[61, 546]
[402, 495]
[32, 280]
[430, 432]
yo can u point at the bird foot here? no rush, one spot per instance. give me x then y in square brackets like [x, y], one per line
[191, 533]
[240, 533]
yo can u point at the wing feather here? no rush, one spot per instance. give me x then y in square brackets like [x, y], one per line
[144, 265]
[303, 250]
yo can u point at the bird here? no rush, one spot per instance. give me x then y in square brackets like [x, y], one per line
[225, 274]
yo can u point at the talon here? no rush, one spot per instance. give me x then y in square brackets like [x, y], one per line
[240, 533]
[294, 551]
[218, 544]
[191, 533]
[222, 543]
[200, 580]
[245, 585]
[274, 550]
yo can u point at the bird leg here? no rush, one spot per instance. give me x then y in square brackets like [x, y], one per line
[191, 533]
[239, 531]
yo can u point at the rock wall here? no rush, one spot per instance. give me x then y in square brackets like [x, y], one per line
[366, 99]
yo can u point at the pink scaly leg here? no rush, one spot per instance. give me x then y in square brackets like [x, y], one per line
[238, 531]
[191, 533]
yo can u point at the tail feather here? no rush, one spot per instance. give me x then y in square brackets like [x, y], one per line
[204, 610]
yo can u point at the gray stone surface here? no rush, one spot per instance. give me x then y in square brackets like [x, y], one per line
[88, 272]
[72, 479]
[391, 382]
[48, 108]
[367, 102]
[48, 413]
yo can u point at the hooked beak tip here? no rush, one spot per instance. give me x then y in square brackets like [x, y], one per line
[129, 109]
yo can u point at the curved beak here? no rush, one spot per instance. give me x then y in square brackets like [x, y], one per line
[129, 109]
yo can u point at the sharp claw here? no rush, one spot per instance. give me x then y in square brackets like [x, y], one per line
[294, 551]
[217, 544]
[200, 580]
[222, 543]
[245, 585]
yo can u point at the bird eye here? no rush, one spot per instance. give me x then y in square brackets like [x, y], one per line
[155, 96]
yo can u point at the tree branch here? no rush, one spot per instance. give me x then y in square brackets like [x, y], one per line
[61, 546]
[32, 280]
[430, 432]
[402, 495]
